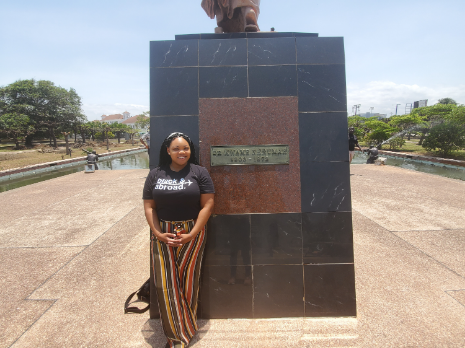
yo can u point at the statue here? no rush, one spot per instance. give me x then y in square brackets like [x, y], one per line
[373, 153]
[233, 16]
[92, 158]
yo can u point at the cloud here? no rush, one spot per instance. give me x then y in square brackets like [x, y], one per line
[384, 95]
[95, 111]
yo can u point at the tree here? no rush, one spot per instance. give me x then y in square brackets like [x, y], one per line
[48, 106]
[407, 123]
[457, 115]
[15, 126]
[432, 115]
[143, 120]
[132, 131]
[445, 137]
[378, 132]
[447, 101]
[358, 123]
[119, 129]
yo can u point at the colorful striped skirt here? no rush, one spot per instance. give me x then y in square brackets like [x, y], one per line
[177, 276]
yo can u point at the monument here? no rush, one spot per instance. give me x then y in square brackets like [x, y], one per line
[268, 113]
[233, 15]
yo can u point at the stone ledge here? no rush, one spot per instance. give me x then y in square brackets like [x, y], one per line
[448, 161]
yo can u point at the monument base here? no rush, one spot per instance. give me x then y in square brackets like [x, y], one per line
[280, 241]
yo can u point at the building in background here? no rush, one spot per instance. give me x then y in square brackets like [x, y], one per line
[420, 103]
[116, 118]
[132, 123]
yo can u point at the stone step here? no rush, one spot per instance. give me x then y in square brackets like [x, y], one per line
[277, 333]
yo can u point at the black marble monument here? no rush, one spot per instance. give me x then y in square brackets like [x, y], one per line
[280, 241]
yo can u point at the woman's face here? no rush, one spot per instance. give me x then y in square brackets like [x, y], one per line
[179, 151]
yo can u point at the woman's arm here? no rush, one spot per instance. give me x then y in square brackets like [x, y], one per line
[206, 209]
[154, 223]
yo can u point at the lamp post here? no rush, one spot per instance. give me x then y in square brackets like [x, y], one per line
[357, 107]
[396, 107]
[371, 111]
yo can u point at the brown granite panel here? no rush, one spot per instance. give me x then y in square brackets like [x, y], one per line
[252, 121]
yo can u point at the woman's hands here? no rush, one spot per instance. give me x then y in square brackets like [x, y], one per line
[171, 240]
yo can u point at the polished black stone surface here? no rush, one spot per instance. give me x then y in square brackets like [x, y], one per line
[320, 50]
[174, 53]
[278, 291]
[161, 127]
[262, 265]
[223, 52]
[327, 237]
[330, 290]
[323, 253]
[220, 298]
[327, 227]
[274, 51]
[228, 241]
[224, 36]
[174, 91]
[223, 82]
[276, 239]
[276, 34]
[323, 146]
[322, 87]
[261, 35]
[325, 186]
[272, 81]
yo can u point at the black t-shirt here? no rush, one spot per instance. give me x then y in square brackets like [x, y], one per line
[352, 142]
[177, 194]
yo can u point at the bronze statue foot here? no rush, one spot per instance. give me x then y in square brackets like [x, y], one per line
[251, 28]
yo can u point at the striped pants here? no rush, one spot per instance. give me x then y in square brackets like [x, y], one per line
[177, 275]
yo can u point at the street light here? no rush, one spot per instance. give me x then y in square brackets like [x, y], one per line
[396, 107]
[371, 111]
[356, 106]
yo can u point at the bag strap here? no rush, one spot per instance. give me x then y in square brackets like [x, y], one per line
[133, 309]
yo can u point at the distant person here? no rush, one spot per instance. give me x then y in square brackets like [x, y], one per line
[373, 154]
[92, 158]
[145, 140]
[353, 141]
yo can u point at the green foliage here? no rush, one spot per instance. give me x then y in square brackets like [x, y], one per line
[447, 101]
[445, 137]
[104, 135]
[15, 126]
[434, 112]
[47, 106]
[457, 115]
[396, 143]
[377, 131]
[357, 122]
[143, 121]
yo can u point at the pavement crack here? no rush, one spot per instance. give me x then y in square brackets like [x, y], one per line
[51, 305]
[78, 254]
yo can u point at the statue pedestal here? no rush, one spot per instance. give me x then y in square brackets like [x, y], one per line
[280, 240]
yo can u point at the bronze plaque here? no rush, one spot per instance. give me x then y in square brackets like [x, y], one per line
[246, 155]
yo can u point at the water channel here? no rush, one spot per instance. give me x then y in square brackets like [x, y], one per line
[448, 171]
[141, 161]
[133, 161]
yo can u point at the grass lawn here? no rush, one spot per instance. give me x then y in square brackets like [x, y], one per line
[10, 158]
[411, 146]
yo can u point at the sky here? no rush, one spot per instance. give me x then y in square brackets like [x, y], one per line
[397, 52]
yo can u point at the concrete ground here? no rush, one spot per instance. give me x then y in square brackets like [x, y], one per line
[74, 247]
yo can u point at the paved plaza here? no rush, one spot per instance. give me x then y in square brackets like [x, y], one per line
[74, 247]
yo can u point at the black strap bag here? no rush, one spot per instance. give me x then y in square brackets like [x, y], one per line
[143, 295]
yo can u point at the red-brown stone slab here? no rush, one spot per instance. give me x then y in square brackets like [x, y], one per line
[252, 121]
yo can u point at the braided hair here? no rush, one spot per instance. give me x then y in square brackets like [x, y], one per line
[165, 159]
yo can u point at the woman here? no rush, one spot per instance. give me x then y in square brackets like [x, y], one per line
[178, 200]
